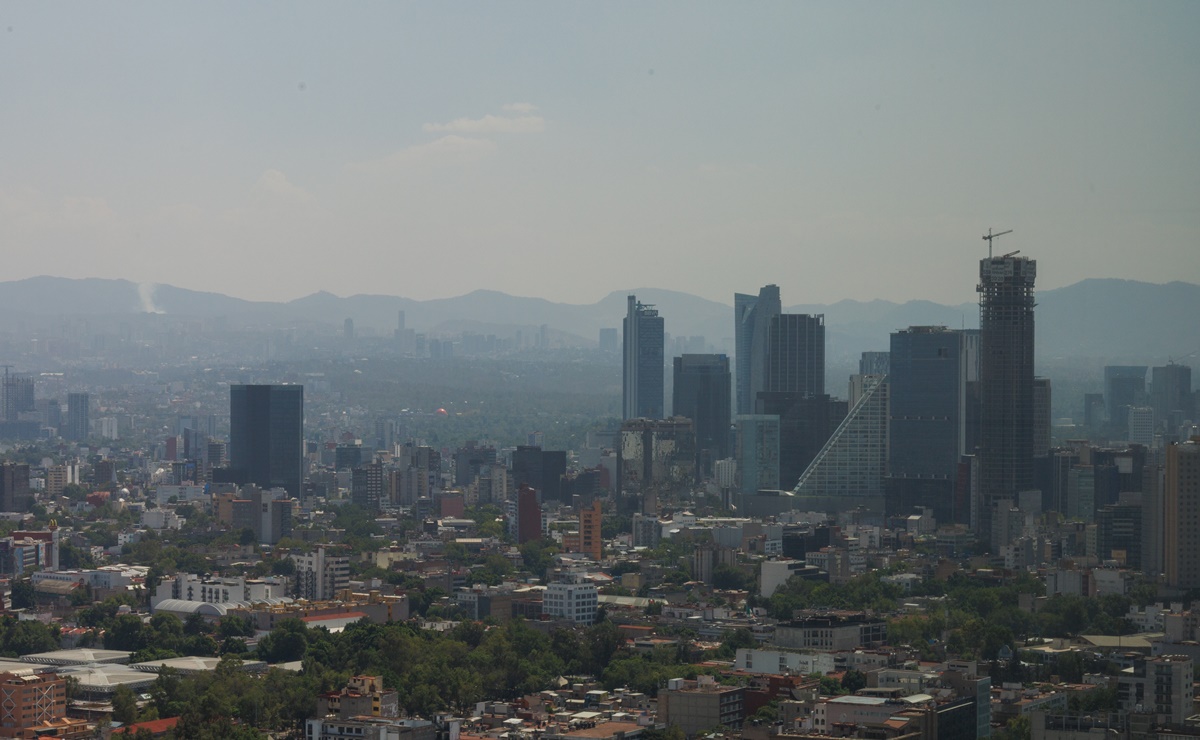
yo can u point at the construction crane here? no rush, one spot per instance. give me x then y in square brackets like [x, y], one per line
[988, 237]
[1175, 360]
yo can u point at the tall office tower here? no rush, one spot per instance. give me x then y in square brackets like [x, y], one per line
[15, 494]
[1041, 417]
[609, 340]
[77, 417]
[805, 424]
[1124, 386]
[1181, 504]
[757, 452]
[348, 328]
[795, 360]
[848, 471]
[875, 363]
[266, 435]
[529, 515]
[1171, 396]
[367, 486]
[752, 319]
[471, 460]
[1119, 531]
[1006, 382]
[1093, 410]
[927, 421]
[18, 396]
[702, 387]
[591, 541]
[1141, 423]
[642, 380]
[1153, 519]
[540, 469]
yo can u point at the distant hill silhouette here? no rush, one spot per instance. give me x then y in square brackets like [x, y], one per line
[1096, 318]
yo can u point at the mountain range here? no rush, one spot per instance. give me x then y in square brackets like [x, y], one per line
[1094, 318]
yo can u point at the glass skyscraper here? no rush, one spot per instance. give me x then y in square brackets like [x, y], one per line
[642, 378]
[266, 435]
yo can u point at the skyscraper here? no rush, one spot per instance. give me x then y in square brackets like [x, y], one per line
[758, 452]
[1124, 386]
[266, 435]
[795, 355]
[1181, 503]
[776, 352]
[642, 379]
[927, 420]
[77, 417]
[1171, 396]
[752, 319]
[15, 494]
[1006, 381]
[608, 340]
[805, 425]
[848, 471]
[18, 396]
[701, 391]
[1042, 422]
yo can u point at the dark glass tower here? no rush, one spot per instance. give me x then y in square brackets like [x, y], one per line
[1006, 382]
[795, 358]
[77, 416]
[642, 380]
[926, 420]
[266, 435]
[701, 393]
[752, 319]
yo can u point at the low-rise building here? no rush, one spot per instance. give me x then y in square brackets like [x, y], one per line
[832, 631]
[363, 696]
[35, 706]
[696, 706]
[234, 590]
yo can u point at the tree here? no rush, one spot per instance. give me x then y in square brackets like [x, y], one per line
[1018, 728]
[22, 594]
[733, 640]
[124, 704]
[125, 632]
[853, 680]
[287, 642]
[731, 578]
[74, 558]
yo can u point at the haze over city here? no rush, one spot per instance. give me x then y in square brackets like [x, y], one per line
[564, 151]
[600, 371]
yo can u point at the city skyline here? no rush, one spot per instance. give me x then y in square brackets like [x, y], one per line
[798, 139]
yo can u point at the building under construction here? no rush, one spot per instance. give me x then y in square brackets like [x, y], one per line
[1006, 305]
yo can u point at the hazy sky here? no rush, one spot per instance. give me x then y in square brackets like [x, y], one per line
[564, 150]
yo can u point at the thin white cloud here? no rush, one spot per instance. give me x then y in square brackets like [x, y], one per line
[276, 183]
[445, 150]
[491, 124]
[525, 108]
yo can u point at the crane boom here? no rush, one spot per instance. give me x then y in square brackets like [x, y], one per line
[988, 237]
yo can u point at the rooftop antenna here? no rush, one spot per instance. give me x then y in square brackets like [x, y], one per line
[988, 237]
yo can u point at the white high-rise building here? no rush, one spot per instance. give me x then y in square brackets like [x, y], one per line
[320, 574]
[574, 601]
[1141, 426]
